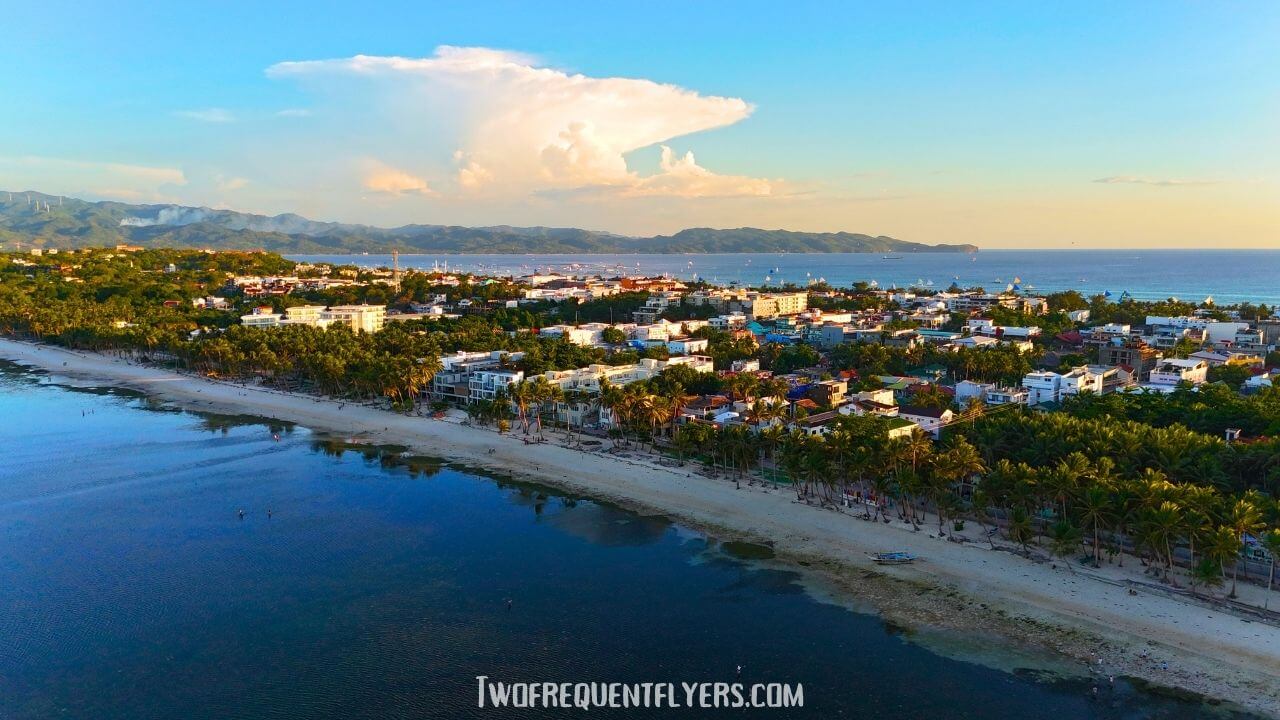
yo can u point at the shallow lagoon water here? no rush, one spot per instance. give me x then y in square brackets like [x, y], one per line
[131, 589]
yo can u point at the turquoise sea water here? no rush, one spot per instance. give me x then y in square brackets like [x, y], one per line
[1229, 276]
[129, 587]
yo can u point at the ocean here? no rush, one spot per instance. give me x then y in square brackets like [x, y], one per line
[1228, 276]
[130, 587]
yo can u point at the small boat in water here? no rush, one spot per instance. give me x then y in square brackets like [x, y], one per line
[891, 257]
[893, 558]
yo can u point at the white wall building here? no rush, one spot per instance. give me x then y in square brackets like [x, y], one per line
[1042, 386]
[1172, 371]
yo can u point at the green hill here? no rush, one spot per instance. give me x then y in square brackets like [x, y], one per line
[32, 219]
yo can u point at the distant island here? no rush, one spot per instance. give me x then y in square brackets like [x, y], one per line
[33, 219]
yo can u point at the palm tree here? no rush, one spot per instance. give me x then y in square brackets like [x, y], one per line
[1065, 541]
[1205, 573]
[1271, 541]
[1019, 528]
[1245, 519]
[1222, 545]
[1096, 512]
[522, 396]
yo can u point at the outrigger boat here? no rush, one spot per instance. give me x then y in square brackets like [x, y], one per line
[893, 558]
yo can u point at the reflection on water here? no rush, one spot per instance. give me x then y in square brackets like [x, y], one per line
[130, 587]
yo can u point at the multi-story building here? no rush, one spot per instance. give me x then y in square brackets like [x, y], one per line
[930, 420]
[764, 306]
[1173, 371]
[687, 346]
[452, 383]
[1081, 380]
[1007, 396]
[485, 384]
[588, 334]
[303, 314]
[1134, 354]
[261, 319]
[1043, 386]
[360, 318]
[657, 304]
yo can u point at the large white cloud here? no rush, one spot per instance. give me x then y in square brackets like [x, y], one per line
[511, 125]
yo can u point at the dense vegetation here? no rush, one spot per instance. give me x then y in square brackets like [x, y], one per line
[1149, 473]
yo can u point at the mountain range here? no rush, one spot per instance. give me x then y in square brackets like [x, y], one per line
[33, 219]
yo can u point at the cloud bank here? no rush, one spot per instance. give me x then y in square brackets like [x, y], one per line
[121, 181]
[208, 115]
[507, 125]
[1160, 182]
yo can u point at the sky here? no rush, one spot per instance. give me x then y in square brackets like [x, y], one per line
[1020, 125]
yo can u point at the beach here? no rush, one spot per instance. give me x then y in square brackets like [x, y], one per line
[965, 587]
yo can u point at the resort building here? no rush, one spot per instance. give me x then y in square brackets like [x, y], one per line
[303, 314]
[765, 306]
[360, 318]
[261, 319]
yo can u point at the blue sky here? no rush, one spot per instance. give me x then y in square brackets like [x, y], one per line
[1004, 124]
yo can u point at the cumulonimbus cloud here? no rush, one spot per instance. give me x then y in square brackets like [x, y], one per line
[518, 126]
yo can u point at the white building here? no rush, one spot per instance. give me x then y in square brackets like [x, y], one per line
[1173, 371]
[1042, 386]
[304, 314]
[687, 346]
[366, 318]
[261, 320]
[983, 326]
[732, 321]
[1007, 396]
[930, 420]
[1081, 380]
[588, 334]
[969, 390]
[1267, 379]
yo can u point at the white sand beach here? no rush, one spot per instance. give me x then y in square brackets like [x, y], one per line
[1089, 616]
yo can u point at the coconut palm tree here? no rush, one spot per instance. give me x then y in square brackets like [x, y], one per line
[1065, 541]
[1244, 519]
[1271, 541]
[1096, 512]
[1205, 573]
[1223, 545]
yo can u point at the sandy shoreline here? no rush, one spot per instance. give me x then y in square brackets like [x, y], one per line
[961, 586]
